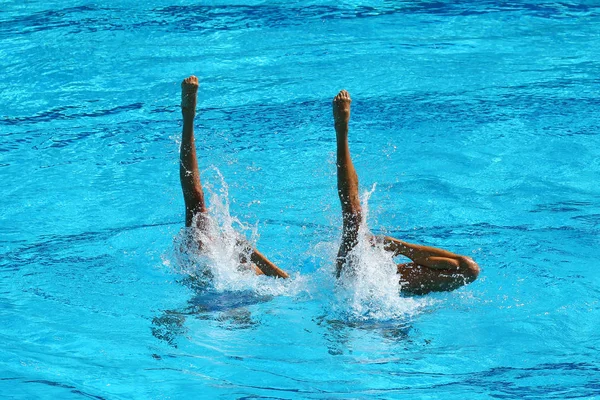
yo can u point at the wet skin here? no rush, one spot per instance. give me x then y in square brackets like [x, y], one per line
[193, 195]
[431, 269]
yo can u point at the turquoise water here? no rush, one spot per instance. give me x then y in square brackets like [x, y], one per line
[476, 122]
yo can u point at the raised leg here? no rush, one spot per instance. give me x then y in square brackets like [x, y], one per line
[347, 179]
[188, 168]
[193, 195]
[432, 269]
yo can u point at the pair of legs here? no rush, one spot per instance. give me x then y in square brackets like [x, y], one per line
[431, 269]
[193, 195]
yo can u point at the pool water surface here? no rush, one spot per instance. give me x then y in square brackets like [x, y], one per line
[475, 127]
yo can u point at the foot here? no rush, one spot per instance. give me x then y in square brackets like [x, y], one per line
[189, 91]
[341, 108]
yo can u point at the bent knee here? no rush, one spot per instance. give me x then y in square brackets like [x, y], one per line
[469, 268]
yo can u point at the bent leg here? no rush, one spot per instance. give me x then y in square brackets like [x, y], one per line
[188, 168]
[417, 279]
[266, 266]
[347, 180]
[261, 264]
[432, 269]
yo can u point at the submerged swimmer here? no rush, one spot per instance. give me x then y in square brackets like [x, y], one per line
[431, 269]
[193, 195]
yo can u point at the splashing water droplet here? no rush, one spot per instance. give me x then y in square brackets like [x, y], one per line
[369, 288]
[216, 256]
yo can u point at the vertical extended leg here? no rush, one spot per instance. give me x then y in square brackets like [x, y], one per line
[347, 179]
[188, 168]
[193, 195]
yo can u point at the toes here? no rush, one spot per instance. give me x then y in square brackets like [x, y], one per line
[192, 80]
[343, 95]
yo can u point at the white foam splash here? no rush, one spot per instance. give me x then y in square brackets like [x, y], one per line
[368, 288]
[218, 264]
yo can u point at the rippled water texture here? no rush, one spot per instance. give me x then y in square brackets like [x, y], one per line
[477, 121]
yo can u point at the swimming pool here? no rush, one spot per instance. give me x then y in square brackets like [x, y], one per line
[477, 122]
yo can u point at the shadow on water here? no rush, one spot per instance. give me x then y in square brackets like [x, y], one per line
[228, 309]
[338, 332]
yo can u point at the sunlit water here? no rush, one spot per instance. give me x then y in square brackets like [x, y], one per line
[476, 123]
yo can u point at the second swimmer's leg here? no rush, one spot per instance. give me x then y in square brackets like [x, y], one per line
[188, 168]
[432, 269]
[347, 180]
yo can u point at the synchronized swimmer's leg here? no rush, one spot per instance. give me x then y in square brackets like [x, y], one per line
[193, 195]
[432, 269]
[347, 180]
[188, 167]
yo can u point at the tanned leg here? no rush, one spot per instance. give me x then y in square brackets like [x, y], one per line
[188, 167]
[193, 195]
[261, 264]
[266, 266]
[432, 269]
[347, 180]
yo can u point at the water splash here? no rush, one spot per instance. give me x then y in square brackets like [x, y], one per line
[368, 288]
[216, 257]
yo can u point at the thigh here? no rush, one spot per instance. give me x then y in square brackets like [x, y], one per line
[417, 279]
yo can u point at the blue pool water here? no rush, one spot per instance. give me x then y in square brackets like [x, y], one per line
[477, 123]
